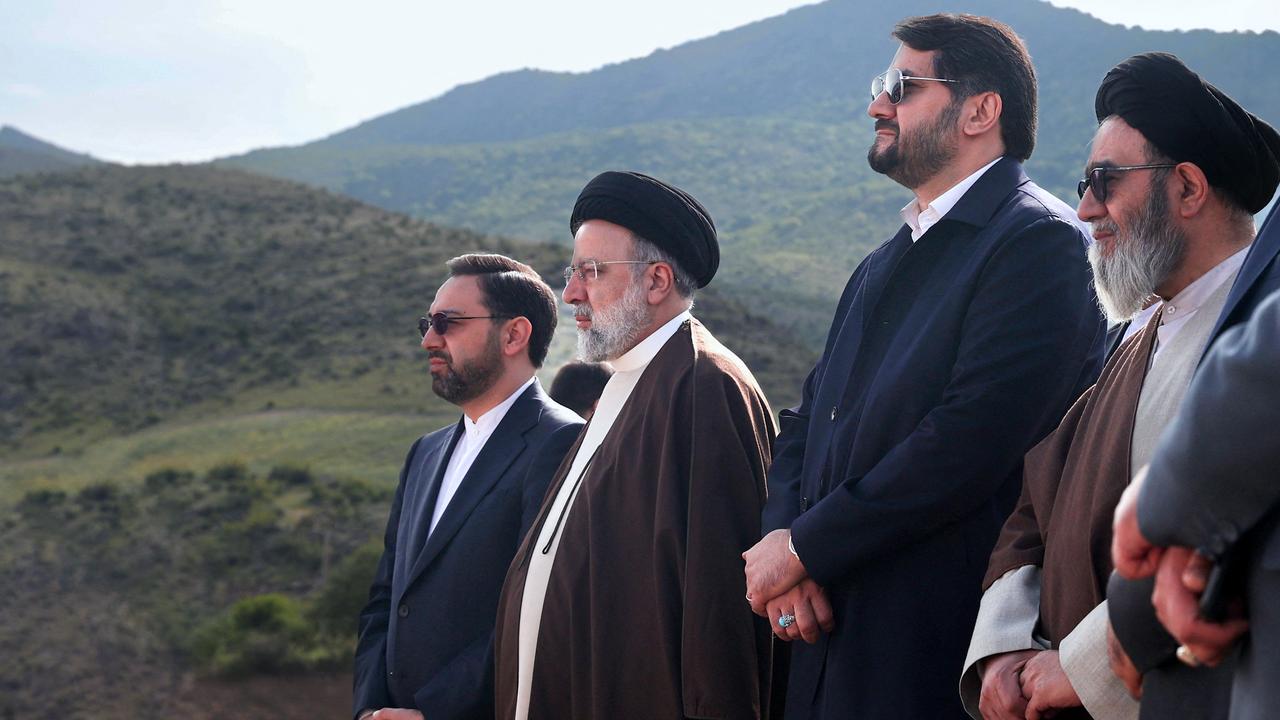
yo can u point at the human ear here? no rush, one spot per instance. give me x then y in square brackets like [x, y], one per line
[1192, 187]
[515, 335]
[981, 113]
[661, 282]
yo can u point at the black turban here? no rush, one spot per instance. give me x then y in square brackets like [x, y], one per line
[663, 214]
[1190, 120]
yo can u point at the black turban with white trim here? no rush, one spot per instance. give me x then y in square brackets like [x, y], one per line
[1190, 120]
[663, 214]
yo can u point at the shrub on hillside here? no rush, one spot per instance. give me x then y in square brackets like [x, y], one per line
[259, 634]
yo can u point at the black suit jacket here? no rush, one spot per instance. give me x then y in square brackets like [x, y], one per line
[947, 360]
[1167, 683]
[426, 634]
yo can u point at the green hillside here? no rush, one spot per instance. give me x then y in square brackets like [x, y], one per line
[135, 296]
[208, 381]
[765, 123]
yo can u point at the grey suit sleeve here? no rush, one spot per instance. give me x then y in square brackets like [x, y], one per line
[1213, 475]
[1006, 622]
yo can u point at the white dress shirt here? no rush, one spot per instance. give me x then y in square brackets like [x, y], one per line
[474, 436]
[921, 220]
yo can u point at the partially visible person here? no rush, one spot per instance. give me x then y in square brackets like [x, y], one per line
[624, 600]
[1210, 493]
[957, 345]
[1166, 223]
[467, 494]
[578, 385]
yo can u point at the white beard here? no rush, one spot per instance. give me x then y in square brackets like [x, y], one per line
[1144, 256]
[616, 329]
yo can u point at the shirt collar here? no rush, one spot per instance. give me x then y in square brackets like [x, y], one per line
[640, 355]
[1194, 295]
[921, 220]
[484, 425]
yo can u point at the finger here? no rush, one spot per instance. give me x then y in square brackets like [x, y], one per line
[1195, 576]
[1212, 642]
[1012, 704]
[806, 624]
[1026, 683]
[775, 612]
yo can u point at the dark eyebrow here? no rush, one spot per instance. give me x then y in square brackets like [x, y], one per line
[1088, 169]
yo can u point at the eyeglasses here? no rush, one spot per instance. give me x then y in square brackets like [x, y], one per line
[440, 322]
[1097, 179]
[893, 82]
[590, 270]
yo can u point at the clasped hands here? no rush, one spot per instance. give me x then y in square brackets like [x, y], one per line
[1025, 684]
[1181, 576]
[777, 585]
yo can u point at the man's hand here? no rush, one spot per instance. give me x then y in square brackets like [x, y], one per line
[1046, 686]
[771, 570]
[808, 603]
[1001, 697]
[1121, 665]
[396, 714]
[1179, 582]
[1133, 555]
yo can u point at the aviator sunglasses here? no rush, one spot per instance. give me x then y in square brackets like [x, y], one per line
[893, 82]
[1097, 179]
[440, 322]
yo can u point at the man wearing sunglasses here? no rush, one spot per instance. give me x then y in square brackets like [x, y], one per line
[625, 600]
[957, 345]
[467, 494]
[1175, 173]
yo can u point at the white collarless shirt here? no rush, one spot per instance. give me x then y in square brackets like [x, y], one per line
[1176, 311]
[474, 436]
[921, 220]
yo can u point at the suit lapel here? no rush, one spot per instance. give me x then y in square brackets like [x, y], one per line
[430, 474]
[882, 265]
[499, 452]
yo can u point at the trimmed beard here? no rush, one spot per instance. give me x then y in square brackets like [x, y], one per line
[913, 160]
[614, 329]
[1144, 256]
[468, 381]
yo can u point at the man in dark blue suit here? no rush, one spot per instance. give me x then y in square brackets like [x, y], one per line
[956, 346]
[467, 494]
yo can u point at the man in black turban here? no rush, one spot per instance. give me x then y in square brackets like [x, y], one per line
[1162, 227]
[1208, 139]
[625, 599]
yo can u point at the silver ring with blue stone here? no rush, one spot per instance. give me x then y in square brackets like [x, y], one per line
[786, 620]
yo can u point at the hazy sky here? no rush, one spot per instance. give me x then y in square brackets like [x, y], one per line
[154, 81]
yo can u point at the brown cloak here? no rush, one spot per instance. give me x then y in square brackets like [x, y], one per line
[644, 614]
[1072, 482]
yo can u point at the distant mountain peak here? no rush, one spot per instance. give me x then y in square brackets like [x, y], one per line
[22, 153]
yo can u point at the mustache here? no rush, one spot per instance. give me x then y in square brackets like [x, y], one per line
[439, 355]
[582, 310]
[1104, 227]
[886, 124]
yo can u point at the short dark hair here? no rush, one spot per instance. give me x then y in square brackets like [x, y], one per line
[513, 288]
[982, 55]
[578, 385]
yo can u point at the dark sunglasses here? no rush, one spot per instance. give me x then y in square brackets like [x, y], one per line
[893, 82]
[1096, 180]
[440, 322]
